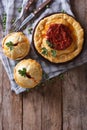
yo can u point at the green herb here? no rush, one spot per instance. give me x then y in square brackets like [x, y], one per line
[24, 27]
[45, 75]
[13, 20]
[48, 43]
[10, 45]
[44, 51]
[63, 11]
[32, 21]
[19, 9]
[53, 52]
[47, 6]
[61, 76]
[30, 30]
[22, 72]
[4, 21]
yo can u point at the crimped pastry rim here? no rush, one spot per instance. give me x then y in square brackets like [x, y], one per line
[26, 52]
[21, 84]
[70, 57]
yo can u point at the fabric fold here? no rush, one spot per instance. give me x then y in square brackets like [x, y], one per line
[52, 70]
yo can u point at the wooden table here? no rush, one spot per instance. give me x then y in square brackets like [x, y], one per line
[58, 105]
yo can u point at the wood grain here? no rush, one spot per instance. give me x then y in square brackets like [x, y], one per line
[58, 105]
[42, 108]
[32, 111]
[1, 98]
[12, 107]
[74, 85]
[83, 95]
[51, 106]
[74, 99]
[71, 102]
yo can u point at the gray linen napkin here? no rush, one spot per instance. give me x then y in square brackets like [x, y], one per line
[10, 7]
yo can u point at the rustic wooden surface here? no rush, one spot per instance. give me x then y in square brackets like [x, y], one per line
[58, 105]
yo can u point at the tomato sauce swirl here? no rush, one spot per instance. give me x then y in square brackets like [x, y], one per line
[59, 36]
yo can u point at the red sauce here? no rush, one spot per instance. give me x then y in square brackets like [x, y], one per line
[59, 36]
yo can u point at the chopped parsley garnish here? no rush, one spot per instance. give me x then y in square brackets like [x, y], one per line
[63, 11]
[30, 30]
[61, 76]
[19, 9]
[13, 20]
[53, 52]
[32, 21]
[45, 75]
[4, 21]
[44, 51]
[10, 45]
[48, 43]
[47, 6]
[22, 72]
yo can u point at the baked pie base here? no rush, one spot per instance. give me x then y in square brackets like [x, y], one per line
[61, 55]
[21, 45]
[33, 70]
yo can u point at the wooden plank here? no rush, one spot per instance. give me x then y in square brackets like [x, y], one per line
[32, 111]
[51, 107]
[1, 96]
[12, 107]
[80, 11]
[71, 101]
[75, 99]
[75, 85]
[42, 108]
[83, 96]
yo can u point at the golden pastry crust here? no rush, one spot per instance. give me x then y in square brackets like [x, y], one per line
[21, 45]
[33, 73]
[61, 55]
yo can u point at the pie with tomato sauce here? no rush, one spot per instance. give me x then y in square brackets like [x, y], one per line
[28, 73]
[58, 38]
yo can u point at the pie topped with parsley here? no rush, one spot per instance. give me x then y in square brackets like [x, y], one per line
[28, 73]
[58, 38]
[15, 45]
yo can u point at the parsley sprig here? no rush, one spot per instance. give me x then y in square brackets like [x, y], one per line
[61, 76]
[4, 21]
[47, 6]
[45, 75]
[10, 45]
[49, 43]
[30, 30]
[13, 20]
[63, 11]
[53, 52]
[19, 9]
[22, 72]
[44, 51]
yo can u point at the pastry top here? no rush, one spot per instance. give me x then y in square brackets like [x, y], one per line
[28, 73]
[58, 38]
[15, 45]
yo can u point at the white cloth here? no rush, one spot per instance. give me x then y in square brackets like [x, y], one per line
[10, 7]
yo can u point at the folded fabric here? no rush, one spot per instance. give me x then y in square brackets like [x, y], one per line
[11, 9]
